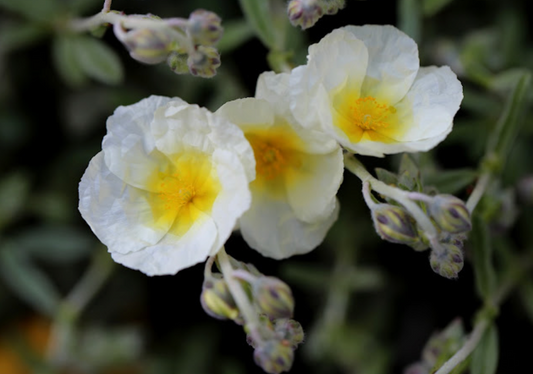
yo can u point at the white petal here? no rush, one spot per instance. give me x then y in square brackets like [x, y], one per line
[180, 128]
[128, 146]
[312, 188]
[392, 61]
[116, 212]
[274, 88]
[271, 228]
[247, 112]
[173, 254]
[435, 97]
[234, 198]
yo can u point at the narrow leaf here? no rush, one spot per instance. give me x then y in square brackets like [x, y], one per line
[451, 181]
[97, 60]
[485, 356]
[257, 13]
[28, 281]
[386, 176]
[482, 259]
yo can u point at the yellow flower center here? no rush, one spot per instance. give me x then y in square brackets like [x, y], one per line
[276, 156]
[184, 191]
[368, 114]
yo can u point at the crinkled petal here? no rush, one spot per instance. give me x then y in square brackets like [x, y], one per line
[274, 88]
[248, 112]
[271, 228]
[128, 147]
[116, 212]
[312, 188]
[178, 128]
[392, 61]
[173, 254]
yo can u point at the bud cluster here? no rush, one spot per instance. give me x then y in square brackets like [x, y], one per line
[187, 45]
[277, 334]
[305, 13]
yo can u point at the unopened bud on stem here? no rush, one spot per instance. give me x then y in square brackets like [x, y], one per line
[273, 297]
[290, 331]
[147, 45]
[447, 260]
[304, 13]
[450, 213]
[204, 27]
[274, 357]
[217, 300]
[204, 62]
[394, 224]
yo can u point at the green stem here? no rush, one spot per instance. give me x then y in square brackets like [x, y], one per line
[241, 299]
[401, 196]
[478, 192]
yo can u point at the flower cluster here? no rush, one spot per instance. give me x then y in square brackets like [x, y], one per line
[173, 180]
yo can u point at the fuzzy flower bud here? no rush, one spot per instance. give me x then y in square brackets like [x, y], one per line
[274, 357]
[450, 213]
[147, 45]
[177, 62]
[332, 6]
[204, 62]
[273, 297]
[447, 260]
[289, 331]
[394, 224]
[204, 27]
[304, 13]
[217, 301]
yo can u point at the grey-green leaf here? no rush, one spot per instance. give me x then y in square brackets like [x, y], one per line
[482, 258]
[386, 176]
[258, 14]
[98, 60]
[485, 356]
[451, 181]
[66, 62]
[28, 281]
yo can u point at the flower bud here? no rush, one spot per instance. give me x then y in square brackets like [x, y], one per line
[274, 357]
[332, 6]
[147, 45]
[204, 62]
[450, 213]
[447, 259]
[266, 329]
[394, 224]
[273, 297]
[204, 27]
[177, 62]
[304, 13]
[290, 331]
[217, 301]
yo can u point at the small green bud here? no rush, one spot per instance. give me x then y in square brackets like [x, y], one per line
[273, 297]
[394, 224]
[274, 357]
[204, 27]
[177, 62]
[217, 301]
[290, 331]
[204, 62]
[450, 213]
[148, 46]
[447, 260]
[304, 13]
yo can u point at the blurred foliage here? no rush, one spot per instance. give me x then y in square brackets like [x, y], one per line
[367, 306]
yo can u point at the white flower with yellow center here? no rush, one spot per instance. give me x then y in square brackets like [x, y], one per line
[298, 173]
[168, 186]
[363, 85]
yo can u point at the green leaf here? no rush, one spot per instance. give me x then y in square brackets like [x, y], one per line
[14, 190]
[66, 61]
[432, 7]
[42, 10]
[482, 258]
[57, 244]
[451, 181]
[19, 35]
[236, 33]
[386, 176]
[28, 281]
[409, 174]
[259, 16]
[508, 125]
[97, 60]
[410, 18]
[485, 356]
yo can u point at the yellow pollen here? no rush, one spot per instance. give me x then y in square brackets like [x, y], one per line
[176, 192]
[368, 114]
[269, 159]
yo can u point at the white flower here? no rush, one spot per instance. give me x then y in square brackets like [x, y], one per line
[298, 173]
[364, 87]
[169, 185]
